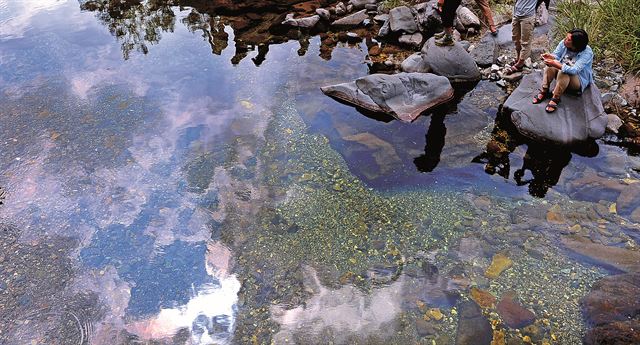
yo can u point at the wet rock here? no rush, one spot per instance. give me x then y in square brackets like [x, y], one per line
[401, 20]
[414, 40]
[415, 63]
[428, 20]
[351, 21]
[619, 332]
[499, 264]
[618, 259]
[381, 18]
[630, 90]
[323, 13]
[467, 18]
[473, 327]
[485, 52]
[452, 62]
[306, 22]
[613, 298]
[425, 328]
[513, 314]
[577, 118]
[341, 9]
[384, 29]
[628, 199]
[484, 298]
[470, 249]
[403, 95]
[360, 4]
[613, 123]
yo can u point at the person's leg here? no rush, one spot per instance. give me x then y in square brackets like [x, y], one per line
[515, 35]
[486, 11]
[563, 82]
[526, 35]
[548, 75]
[448, 15]
[566, 81]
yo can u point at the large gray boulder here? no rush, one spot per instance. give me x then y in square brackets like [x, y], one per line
[485, 53]
[401, 20]
[452, 62]
[404, 95]
[577, 119]
[428, 20]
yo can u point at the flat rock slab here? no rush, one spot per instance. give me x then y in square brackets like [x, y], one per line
[453, 62]
[577, 119]
[352, 20]
[620, 259]
[473, 327]
[612, 298]
[404, 95]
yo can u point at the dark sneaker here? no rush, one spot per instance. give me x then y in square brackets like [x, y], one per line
[446, 40]
[439, 35]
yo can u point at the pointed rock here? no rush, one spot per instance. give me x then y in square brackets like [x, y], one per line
[403, 95]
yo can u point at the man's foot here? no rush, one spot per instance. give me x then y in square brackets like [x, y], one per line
[446, 40]
[541, 96]
[513, 69]
[493, 30]
[439, 35]
[553, 105]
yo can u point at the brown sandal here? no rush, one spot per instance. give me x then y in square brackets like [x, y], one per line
[513, 69]
[541, 96]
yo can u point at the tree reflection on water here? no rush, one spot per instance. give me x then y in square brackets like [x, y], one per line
[136, 24]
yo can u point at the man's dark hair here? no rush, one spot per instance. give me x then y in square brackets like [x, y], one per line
[579, 39]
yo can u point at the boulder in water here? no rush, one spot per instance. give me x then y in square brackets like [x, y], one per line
[453, 62]
[577, 119]
[404, 95]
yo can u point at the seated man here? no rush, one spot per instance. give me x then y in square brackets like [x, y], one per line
[570, 64]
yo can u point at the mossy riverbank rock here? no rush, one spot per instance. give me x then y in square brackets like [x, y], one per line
[578, 118]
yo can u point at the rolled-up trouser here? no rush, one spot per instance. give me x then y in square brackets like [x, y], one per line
[486, 11]
[449, 12]
[563, 81]
[521, 34]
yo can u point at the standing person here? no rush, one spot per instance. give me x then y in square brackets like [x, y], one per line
[571, 66]
[448, 14]
[523, 21]
[486, 11]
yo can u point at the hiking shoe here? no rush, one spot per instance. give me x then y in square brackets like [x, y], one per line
[439, 35]
[446, 40]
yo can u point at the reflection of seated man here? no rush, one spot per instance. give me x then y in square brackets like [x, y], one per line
[570, 64]
[545, 166]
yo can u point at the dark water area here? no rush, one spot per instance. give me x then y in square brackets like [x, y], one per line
[172, 174]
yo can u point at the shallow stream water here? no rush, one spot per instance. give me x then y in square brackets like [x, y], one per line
[160, 188]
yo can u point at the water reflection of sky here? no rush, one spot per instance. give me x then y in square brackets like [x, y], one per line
[100, 149]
